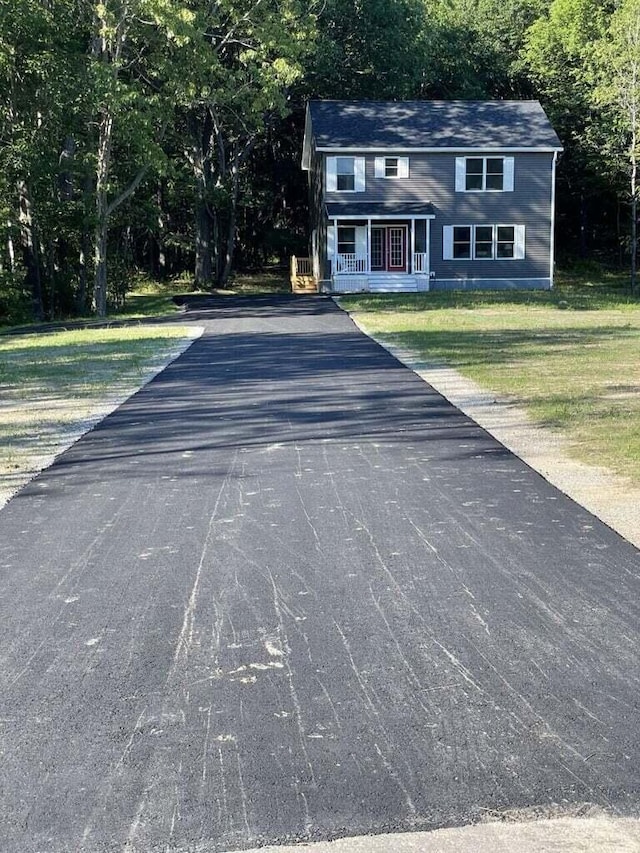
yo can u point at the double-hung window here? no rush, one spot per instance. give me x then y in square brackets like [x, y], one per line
[345, 174]
[462, 246]
[506, 241]
[484, 174]
[346, 240]
[483, 242]
[392, 167]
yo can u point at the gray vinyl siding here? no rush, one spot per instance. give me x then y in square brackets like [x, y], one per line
[432, 179]
[318, 221]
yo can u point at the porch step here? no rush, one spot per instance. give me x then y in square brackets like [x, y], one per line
[304, 284]
[392, 283]
[380, 283]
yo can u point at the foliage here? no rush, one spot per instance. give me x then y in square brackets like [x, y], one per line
[165, 135]
[618, 54]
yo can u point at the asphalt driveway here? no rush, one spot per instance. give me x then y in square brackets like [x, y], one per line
[288, 592]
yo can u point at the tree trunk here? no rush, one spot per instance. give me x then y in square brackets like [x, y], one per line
[584, 249]
[634, 244]
[204, 243]
[11, 253]
[634, 214]
[29, 247]
[102, 215]
[205, 223]
[82, 302]
[158, 247]
[83, 276]
[100, 269]
[225, 272]
[239, 158]
[52, 268]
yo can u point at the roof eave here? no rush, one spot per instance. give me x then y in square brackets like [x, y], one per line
[453, 149]
[306, 143]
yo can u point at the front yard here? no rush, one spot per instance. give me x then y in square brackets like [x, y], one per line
[570, 357]
[54, 385]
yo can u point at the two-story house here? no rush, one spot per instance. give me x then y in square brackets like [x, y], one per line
[418, 195]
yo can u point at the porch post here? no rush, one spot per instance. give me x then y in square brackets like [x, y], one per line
[335, 247]
[427, 246]
[413, 245]
[368, 245]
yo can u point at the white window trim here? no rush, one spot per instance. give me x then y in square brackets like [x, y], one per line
[519, 237]
[358, 174]
[380, 167]
[508, 169]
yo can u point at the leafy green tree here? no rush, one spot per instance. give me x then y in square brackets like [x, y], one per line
[241, 76]
[618, 54]
[38, 67]
[136, 78]
[559, 55]
[370, 49]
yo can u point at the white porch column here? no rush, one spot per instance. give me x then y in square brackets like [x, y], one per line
[413, 245]
[368, 245]
[335, 247]
[427, 245]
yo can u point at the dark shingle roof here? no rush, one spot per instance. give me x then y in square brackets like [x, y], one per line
[431, 124]
[378, 208]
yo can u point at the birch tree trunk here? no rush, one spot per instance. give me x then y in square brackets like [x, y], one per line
[634, 214]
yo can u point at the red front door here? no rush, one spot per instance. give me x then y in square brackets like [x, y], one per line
[389, 248]
[397, 248]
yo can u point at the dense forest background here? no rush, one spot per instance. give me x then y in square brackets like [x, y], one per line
[164, 136]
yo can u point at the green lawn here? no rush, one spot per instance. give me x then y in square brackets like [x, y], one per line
[153, 299]
[50, 381]
[571, 357]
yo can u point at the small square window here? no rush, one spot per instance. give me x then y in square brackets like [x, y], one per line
[391, 169]
[484, 173]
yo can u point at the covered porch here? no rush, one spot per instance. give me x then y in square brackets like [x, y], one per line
[378, 246]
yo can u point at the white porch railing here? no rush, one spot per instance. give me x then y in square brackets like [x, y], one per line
[420, 262]
[357, 264]
[351, 264]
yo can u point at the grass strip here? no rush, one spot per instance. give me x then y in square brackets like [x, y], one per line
[50, 382]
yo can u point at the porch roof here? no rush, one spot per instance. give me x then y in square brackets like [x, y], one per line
[379, 210]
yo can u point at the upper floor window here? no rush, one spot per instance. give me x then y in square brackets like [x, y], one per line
[345, 174]
[392, 167]
[484, 174]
